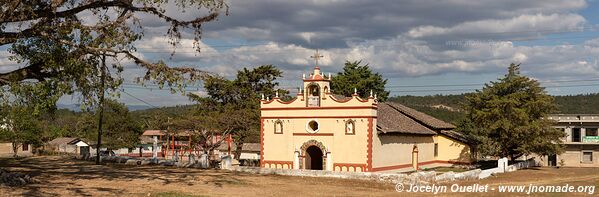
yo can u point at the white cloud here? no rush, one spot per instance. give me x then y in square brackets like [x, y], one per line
[522, 25]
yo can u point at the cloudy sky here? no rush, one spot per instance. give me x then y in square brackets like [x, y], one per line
[423, 47]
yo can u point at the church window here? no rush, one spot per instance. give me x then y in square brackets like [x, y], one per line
[436, 149]
[350, 127]
[312, 126]
[278, 127]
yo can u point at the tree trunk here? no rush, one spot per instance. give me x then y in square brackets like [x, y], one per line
[238, 149]
[15, 149]
[101, 109]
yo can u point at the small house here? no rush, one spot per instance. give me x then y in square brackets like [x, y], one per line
[68, 145]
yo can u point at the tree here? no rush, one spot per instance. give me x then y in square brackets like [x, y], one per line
[508, 118]
[205, 129]
[237, 101]
[18, 126]
[120, 129]
[60, 43]
[19, 118]
[360, 78]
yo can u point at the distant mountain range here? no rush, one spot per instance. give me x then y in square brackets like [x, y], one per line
[77, 108]
[444, 107]
[449, 107]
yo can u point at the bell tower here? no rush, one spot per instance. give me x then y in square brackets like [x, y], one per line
[316, 85]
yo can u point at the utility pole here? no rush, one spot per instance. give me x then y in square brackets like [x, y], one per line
[101, 107]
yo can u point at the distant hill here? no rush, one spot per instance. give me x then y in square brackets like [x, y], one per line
[445, 107]
[77, 107]
[449, 107]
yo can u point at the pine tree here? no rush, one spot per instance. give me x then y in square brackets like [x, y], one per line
[508, 118]
[360, 78]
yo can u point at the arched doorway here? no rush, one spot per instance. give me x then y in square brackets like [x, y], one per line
[314, 158]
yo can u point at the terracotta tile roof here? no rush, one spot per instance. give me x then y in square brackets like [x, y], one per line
[392, 120]
[153, 132]
[64, 140]
[455, 135]
[317, 77]
[427, 120]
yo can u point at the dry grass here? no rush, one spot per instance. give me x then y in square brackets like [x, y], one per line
[67, 177]
[537, 176]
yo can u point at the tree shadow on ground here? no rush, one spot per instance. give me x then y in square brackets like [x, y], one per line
[46, 168]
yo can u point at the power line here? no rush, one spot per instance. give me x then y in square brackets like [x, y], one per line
[139, 99]
[473, 89]
[480, 84]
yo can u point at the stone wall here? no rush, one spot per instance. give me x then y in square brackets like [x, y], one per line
[421, 177]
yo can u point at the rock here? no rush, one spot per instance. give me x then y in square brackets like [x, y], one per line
[203, 161]
[13, 179]
[145, 162]
[226, 162]
[167, 163]
[120, 159]
[448, 176]
[132, 162]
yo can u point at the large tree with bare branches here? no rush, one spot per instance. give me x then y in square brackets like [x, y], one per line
[59, 44]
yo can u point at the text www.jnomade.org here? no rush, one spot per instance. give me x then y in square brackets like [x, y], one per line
[477, 188]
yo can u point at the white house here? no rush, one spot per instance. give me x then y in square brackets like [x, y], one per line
[69, 145]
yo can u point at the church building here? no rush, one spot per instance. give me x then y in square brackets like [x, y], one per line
[321, 131]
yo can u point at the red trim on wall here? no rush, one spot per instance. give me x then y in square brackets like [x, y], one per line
[313, 134]
[340, 100]
[288, 102]
[312, 117]
[262, 142]
[317, 108]
[267, 101]
[288, 163]
[369, 146]
[394, 167]
[362, 100]
[347, 165]
[348, 99]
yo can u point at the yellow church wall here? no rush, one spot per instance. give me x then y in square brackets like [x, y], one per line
[393, 152]
[366, 150]
[452, 151]
[281, 147]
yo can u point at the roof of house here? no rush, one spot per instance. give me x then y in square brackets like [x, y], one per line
[64, 140]
[247, 147]
[163, 132]
[455, 135]
[153, 132]
[423, 118]
[390, 119]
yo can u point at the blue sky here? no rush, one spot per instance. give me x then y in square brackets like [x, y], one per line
[417, 45]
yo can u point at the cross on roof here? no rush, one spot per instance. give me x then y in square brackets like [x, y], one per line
[316, 56]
